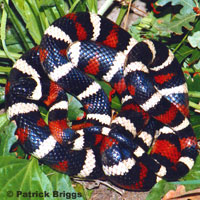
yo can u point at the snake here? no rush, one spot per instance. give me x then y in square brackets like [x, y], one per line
[150, 138]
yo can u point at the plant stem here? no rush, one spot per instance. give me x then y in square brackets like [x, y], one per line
[184, 38]
[105, 7]
[59, 8]
[190, 70]
[5, 69]
[74, 5]
[120, 17]
[194, 105]
[194, 94]
[4, 55]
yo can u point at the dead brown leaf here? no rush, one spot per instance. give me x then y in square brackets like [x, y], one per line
[181, 194]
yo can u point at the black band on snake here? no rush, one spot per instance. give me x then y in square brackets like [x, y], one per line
[148, 81]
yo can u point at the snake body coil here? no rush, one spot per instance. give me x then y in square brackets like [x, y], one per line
[148, 81]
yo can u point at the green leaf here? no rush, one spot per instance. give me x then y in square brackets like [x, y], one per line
[7, 137]
[183, 52]
[61, 7]
[180, 21]
[194, 40]
[187, 5]
[159, 189]
[194, 119]
[151, 27]
[2, 91]
[77, 6]
[92, 5]
[3, 34]
[193, 84]
[3, 121]
[197, 66]
[74, 110]
[52, 10]
[21, 177]
[30, 14]
[135, 33]
[195, 56]
[62, 187]
[17, 25]
[85, 192]
[13, 41]
[61, 183]
[186, 53]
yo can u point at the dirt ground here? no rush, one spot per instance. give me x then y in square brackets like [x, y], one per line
[105, 193]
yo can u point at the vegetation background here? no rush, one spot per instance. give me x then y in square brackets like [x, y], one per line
[175, 23]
